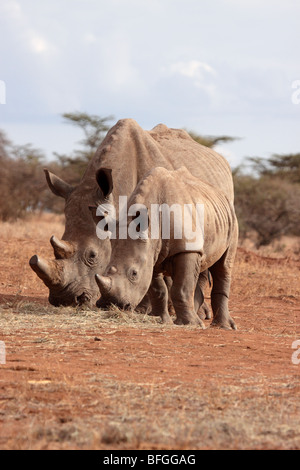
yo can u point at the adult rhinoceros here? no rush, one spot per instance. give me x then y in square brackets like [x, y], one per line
[138, 261]
[130, 152]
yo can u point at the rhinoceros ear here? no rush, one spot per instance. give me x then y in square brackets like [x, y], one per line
[105, 181]
[58, 186]
[93, 211]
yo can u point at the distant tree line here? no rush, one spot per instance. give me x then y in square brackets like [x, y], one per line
[23, 186]
[267, 191]
[267, 197]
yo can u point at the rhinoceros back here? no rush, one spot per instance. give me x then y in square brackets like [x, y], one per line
[204, 163]
[132, 152]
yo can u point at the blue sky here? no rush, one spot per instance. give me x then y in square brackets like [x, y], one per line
[217, 67]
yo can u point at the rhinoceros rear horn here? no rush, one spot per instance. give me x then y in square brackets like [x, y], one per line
[58, 186]
[62, 249]
[42, 269]
[104, 283]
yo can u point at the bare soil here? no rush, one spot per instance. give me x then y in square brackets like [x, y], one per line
[88, 379]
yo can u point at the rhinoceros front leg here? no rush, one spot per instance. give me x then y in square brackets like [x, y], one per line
[185, 274]
[159, 294]
[202, 309]
[221, 274]
[145, 306]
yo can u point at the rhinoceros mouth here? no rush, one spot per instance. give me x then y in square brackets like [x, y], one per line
[107, 303]
[57, 302]
[66, 299]
[83, 299]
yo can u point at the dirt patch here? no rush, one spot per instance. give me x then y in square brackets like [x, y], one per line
[77, 379]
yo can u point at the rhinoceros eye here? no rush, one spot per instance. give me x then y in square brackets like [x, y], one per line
[132, 274]
[91, 257]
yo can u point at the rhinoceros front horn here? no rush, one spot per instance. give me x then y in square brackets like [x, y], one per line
[104, 283]
[42, 269]
[62, 249]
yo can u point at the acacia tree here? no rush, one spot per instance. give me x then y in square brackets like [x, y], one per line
[94, 128]
[211, 141]
[282, 166]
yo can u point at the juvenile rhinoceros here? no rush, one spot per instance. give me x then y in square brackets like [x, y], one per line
[152, 249]
[130, 152]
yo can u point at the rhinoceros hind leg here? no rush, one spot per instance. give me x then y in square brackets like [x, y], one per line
[204, 311]
[221, 274]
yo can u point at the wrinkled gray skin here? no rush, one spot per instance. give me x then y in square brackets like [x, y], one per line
[138, 264]
[130, 153]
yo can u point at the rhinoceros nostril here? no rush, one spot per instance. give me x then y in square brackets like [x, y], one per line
[81, 299]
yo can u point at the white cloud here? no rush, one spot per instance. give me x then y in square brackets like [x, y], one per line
[90, 38]
[192, 69]
[11, 9]
[31, 39]
[115, 68]
[201, 74]
[37, 43]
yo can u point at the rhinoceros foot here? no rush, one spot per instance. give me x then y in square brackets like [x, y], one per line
[204, 312]
[144, 306]
[225, 325]
[189, 319]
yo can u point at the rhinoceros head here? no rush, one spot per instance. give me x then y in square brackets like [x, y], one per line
[128, 276]
[70, 276]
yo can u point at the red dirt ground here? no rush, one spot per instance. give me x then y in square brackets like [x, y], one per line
[93, 380]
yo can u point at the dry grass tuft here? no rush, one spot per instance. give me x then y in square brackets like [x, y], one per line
[117, 315]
